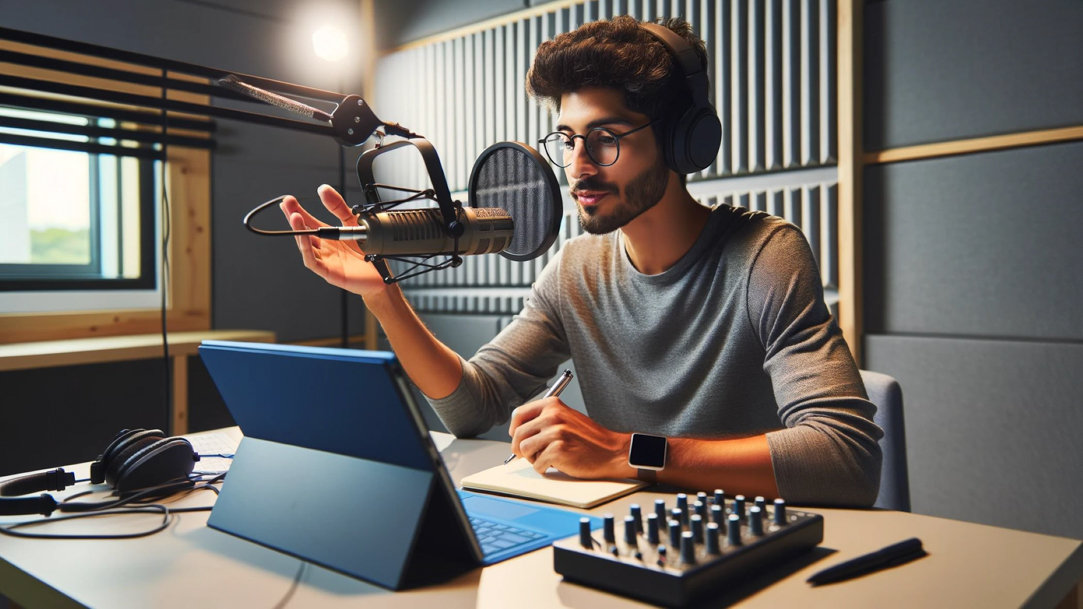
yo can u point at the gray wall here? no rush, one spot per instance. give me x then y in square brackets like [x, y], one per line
[973, 280]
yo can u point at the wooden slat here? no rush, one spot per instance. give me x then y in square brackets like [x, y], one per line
[178, 423]
[979, 144]
[76, 351]
[850, 168]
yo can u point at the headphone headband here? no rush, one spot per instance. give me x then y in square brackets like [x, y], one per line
[690, 141]
[686, 59]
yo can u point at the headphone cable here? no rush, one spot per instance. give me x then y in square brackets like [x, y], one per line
[111, 508]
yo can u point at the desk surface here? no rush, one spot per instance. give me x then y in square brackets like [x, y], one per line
[191, 565]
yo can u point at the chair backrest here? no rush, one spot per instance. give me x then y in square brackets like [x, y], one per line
[884, 391]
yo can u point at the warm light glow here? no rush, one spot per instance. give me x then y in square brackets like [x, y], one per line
[330, 43]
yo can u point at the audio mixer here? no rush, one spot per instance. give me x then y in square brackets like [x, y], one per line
[675, 556]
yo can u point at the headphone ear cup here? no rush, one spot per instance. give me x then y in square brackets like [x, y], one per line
[157, 463]
[694, 140]
[124, 452]
[98, 467]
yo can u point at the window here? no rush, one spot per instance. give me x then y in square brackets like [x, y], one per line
[72, 219]
[81, 214]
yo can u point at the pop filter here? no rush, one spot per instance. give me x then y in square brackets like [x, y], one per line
[513, 176]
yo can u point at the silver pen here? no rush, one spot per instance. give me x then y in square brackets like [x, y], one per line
[553, 392]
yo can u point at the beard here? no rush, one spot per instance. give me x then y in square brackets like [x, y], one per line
[640, 194]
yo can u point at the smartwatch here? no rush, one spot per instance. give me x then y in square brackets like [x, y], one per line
[648, 455]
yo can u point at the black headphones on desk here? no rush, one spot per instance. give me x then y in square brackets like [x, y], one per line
[136, 459]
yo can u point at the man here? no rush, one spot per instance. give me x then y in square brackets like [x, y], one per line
[704, 326]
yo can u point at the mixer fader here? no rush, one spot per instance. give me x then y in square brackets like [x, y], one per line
[678, 554]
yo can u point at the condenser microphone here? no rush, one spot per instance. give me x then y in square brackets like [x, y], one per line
[514, 209]
[421, 232]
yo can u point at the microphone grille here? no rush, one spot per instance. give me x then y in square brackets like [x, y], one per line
[514, 177]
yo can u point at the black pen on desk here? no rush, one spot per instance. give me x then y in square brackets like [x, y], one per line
[895, 554]
[553, 392]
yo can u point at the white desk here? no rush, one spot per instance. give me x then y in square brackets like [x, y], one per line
[191, 565]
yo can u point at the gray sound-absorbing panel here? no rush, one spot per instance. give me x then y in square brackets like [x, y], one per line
[772, 71]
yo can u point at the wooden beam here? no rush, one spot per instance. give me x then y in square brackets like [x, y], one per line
[178, 424]
[978, 144]
[77, 351]
[850, 169]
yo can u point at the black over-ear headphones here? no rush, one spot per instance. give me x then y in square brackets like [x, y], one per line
[690, 141]
[136, 459]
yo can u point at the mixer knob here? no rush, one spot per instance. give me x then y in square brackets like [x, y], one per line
[701, 497]
[780, 512]
[739, 506]
[755, 521]
[678, 515]
[688, 548]
[719, 497]
[696, 522]
[652, 528]
[700, 507]
[718, 515]
[630, 530]
[712, 538]
[660, 509]
[760, 501]
[637, 514]
[733, 530]
[584, 533]
[682, 502]
[675, 533]
[608, 534]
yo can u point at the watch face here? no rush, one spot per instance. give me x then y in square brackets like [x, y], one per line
[647, 451]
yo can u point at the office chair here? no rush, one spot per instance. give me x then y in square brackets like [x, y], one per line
[884, 391]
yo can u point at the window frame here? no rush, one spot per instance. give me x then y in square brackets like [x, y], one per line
[31, 277]
[187, 184]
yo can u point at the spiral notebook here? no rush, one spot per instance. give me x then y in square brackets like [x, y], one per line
[519, 479]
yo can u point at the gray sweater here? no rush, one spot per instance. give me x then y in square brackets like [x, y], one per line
[734, 339]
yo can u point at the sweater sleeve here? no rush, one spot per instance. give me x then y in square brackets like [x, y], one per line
[512, 367]
[828, 452]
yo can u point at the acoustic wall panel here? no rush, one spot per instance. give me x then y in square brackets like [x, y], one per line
[772, 64]
[976, 245]
[992, 428]
[943, 71]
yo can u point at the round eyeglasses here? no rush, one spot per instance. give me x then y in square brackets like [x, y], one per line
[603, 145]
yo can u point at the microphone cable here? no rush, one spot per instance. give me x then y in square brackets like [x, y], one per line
[164, 280]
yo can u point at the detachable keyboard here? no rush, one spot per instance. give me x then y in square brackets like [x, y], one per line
[496, 536]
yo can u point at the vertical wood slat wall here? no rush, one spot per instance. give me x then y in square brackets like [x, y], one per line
[773, 74]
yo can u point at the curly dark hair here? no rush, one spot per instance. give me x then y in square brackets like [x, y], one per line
[616, 54]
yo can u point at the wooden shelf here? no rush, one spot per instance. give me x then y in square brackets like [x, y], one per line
[76, 351]
[96, 350]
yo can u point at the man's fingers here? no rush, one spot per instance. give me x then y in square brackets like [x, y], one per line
[523, 414]
[291, 206]
[546, 457]
[335, 204]
[308, 246]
